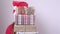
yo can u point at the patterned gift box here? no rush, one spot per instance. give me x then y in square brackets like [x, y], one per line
[25, 19]
[32, 19]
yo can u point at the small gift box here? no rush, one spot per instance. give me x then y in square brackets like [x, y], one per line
[31, 32]
[19, 28]
[30, 10]
[31, 28]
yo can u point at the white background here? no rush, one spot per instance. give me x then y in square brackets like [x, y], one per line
[47, 15]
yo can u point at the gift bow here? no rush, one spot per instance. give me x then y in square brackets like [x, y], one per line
[19, 4]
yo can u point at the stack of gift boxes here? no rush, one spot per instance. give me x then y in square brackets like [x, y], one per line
[24, 20]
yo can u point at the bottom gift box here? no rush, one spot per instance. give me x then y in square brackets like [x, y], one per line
[25, 28]
[19, 28]
[26, 32]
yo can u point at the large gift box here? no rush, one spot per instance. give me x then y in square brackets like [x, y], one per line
[19, 28]
[25, 28]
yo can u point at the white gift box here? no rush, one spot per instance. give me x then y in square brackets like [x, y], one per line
[31, 32]
[26, 32]
[19, 32]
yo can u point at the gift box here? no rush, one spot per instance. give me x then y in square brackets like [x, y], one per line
[28, 20]
[19, 10]
[20, 32]
[30, 10]
[26, 32]
[32, 19]
[25, 28]
[19, 28]
[19, 19]
[31, 32]
[31, 28]
[25, 19]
